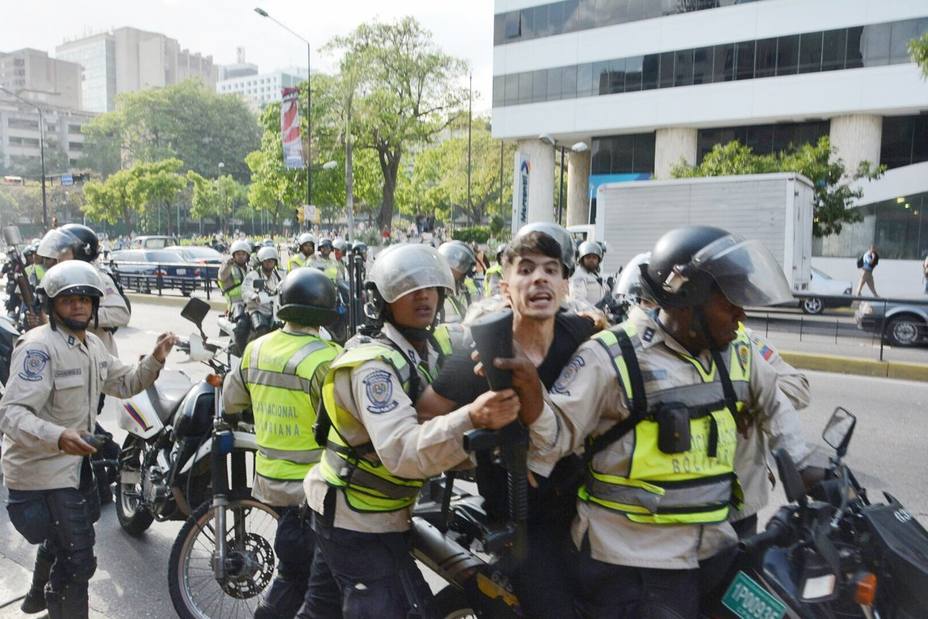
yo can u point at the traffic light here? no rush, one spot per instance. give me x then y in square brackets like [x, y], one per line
[300, 214]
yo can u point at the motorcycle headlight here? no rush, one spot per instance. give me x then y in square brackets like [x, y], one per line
[818, 587]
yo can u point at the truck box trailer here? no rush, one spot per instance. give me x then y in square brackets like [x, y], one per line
[775, 209]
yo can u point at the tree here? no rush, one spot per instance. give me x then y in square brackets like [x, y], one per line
[143, 191]
[817, 162]
[157, 186]
[112, 200]
[187, 121]
[405, 94]
[918, 48]
[219, 198]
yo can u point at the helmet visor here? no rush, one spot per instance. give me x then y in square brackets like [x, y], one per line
[56, 243]
[745, 271]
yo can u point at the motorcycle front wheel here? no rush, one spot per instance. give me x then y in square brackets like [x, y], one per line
[134, 517]
[195, 591]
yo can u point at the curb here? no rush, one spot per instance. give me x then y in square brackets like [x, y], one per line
[860, 367]
[217, 304]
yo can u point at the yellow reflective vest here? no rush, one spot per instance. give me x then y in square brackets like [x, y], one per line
[491, 277]
[35, 273]
[367, 484]
[695, 483]
[232, 287]
[297, 260]
[283, 373]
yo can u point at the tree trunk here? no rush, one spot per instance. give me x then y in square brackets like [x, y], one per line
[389, 165]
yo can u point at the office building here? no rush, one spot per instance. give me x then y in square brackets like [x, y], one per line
[260, 89]
[128, 59]
[239, 68]
[646, 84]
[31, 74]
[20, 137]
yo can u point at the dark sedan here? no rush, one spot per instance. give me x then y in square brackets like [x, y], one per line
[206, 258]
[147, 269]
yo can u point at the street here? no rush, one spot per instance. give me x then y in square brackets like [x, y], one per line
[887, 453]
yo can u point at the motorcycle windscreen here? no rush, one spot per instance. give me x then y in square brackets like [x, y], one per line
[905, 544]
[745, 271]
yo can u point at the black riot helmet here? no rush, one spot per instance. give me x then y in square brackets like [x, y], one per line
[89, 248]
[688, 263]
[308, 298]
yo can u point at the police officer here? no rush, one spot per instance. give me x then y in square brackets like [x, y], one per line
[306, 243]
[58, 372]
[323, 261]
[378, 454]
[280, 379]
[494, 274]
[339, 253]
[663, 396]
[35, 269]
[586, 283]
[259, 290]
[461, 259]
[232, 275]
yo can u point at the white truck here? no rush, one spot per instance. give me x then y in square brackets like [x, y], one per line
[775, 209]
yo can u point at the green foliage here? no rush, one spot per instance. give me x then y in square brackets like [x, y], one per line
[187, 121]
[438, 180]
[473, 234]
[918, 48]
[218, 198]
[833, 192]
[404, 95]
[145, 189]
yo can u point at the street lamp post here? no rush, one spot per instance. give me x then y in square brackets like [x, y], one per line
[41, 150]
[309, 106]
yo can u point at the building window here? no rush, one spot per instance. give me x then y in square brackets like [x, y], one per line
[904, 141]
[623, 154]
[810, 52]
[762, 139]
[787, 55]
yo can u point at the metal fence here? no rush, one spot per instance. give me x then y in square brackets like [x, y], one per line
[147, 277]
[885, 328]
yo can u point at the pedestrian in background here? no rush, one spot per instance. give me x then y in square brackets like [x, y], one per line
[867, 263]
[925, 272]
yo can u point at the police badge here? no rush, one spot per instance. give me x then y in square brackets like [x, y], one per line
[379, 389]
[33, 365]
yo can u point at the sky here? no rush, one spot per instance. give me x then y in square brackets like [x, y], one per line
[462, 28]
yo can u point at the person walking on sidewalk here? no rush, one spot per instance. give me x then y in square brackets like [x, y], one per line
[867, 263]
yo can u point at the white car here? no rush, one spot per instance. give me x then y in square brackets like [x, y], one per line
[823, 284]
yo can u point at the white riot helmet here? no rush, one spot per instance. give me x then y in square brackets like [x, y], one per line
[590, 248]
[241, 245]
[402, 269]
[57, 243]
[71, 278]
[459, 255]
[628, 289]
[268, 253]
[304, 238]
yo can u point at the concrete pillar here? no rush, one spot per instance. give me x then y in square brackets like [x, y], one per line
[856, 138]
[578, 188]
[670, 147]
[533, 183]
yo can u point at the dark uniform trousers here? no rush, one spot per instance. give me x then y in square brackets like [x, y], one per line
[294, 545]
[61, 520]
[364, 576]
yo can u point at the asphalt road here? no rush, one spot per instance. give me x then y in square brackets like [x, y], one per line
[888, 452]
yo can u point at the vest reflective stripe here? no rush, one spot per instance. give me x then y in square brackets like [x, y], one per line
[443, 337]
[691, 487]
[277, 370]
[471, 288]
[367, 484]
[233, 291]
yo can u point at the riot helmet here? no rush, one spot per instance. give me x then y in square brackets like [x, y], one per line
[89, 248]
[340, 245]
[629, 289]
[58, 244]
[240, 245]
[267, 253]
[459, 255]
[305, 238]
[308, 297]
[70, 278]
[589, 248]
[402, 269]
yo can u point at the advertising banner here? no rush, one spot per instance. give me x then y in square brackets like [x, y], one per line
[290, 129]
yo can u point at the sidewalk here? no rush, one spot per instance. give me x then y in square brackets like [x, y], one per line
[14, 582]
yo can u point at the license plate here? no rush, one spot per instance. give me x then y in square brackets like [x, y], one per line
[181, 271]
[748, 600]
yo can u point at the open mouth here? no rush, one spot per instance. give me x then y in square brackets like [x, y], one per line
[540, 298]
[424, 311]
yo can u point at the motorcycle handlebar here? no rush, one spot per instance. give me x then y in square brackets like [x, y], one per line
[775, 534]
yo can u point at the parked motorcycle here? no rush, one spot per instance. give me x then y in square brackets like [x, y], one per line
[182, 460]
[830, 555]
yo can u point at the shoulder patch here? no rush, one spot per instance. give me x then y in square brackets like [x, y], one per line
[378, 386]
[568, 374]
[744, 354]
[33, 365]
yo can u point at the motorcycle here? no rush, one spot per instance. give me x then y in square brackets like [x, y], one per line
[182, 460]
[829, 555]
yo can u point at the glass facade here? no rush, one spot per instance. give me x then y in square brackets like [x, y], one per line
[905, 140]
[623, 154]
[98, 59]
[762, 139]
[811, 52]
[898, 227]
[573, 15]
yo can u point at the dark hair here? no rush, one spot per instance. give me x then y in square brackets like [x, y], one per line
[533, 243]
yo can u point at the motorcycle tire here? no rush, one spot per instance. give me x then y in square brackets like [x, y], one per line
[239, 593]
[132, 516]
[451, 603]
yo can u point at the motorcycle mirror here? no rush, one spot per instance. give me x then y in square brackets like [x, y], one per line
[817, 580]
[12, 236]
[195, 311]
[839, 429]
[792, 482]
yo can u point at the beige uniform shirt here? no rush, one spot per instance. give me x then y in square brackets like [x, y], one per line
[113, 313]
[751, 455]
[586, 286]
[588, 399]
[405, 447]
[252, 296]
[55, 384]
[235, 400]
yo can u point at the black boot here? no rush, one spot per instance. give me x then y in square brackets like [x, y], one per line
[35, 598]
[72, 602]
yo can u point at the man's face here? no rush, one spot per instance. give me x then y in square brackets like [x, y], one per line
[535, 285]
[307, 249]
[325, 251]
[415, 309]
[268, 265]
[591, 262]
[722, 318]
[74, 309]
[240, 258]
